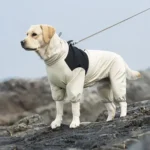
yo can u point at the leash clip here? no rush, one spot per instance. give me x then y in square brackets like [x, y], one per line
[71, 42]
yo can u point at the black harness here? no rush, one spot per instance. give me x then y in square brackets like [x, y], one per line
[76, 58]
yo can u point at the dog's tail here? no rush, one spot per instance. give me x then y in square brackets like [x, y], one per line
[131, 74]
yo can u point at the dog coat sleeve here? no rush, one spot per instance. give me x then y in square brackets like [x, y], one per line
[58, 94]
[74, 88]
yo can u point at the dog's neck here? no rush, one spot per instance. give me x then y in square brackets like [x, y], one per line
[53, 49]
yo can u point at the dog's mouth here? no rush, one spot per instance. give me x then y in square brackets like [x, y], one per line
[29, 49]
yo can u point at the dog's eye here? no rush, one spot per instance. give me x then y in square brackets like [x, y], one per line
[34, 34]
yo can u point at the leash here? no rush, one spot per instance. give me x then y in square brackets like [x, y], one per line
[74, 43]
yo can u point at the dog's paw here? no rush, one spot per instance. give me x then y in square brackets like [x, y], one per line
[110, 117]
[55, 124]
[75, 123]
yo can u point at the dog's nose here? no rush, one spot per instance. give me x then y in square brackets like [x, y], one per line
[22, 43]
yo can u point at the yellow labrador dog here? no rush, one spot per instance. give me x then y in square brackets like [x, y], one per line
[70, 70]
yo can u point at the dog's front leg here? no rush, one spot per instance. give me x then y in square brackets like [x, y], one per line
[76, 115]
[59, 114]
[58, 95]
[74, 91]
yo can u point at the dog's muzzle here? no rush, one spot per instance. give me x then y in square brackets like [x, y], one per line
[23, 44]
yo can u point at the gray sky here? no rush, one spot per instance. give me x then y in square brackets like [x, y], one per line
[76, 19]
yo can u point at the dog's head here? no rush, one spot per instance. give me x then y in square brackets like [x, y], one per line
[37, 37]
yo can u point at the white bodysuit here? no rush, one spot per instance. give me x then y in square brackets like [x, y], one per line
[70, 83]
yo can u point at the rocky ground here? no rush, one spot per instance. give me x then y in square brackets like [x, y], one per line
[27, 109]
[31, 133]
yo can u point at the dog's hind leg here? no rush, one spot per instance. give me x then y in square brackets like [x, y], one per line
[123, 106]
[118, 83]
[111, 108]
[106, 96]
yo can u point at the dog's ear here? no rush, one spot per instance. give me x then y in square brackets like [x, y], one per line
[48, 32]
